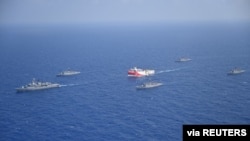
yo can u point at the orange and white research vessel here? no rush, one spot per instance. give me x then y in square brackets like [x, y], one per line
[137, 72]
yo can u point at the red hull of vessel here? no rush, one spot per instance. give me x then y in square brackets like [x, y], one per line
[134, 73]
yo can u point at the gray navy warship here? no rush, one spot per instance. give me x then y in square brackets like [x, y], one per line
[37, 85]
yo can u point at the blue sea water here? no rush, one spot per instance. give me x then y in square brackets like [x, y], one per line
[101, 103]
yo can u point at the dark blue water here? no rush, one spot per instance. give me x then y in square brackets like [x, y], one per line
[102, 104]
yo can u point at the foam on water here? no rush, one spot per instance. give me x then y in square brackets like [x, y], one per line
[102, 103]
[168, 70]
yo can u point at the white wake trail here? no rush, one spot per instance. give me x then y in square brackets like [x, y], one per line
[168, 70]
[63, 85]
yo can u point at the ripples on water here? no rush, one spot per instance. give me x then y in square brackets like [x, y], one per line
[102, 103]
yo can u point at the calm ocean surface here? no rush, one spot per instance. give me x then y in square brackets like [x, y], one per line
[102, 104]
